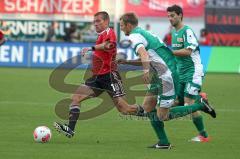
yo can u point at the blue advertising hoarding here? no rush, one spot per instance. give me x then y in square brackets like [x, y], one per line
[14, 54]
[53, 54]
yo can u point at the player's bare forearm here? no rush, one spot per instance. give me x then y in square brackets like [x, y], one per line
[145, 63]
[99, 46]
[182, 52]
[144, 58]
[136, 62]
[108, 45]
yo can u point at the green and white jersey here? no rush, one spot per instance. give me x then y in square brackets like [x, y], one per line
[190, 67]
[148, 39]
[152, 43]
[162, 62]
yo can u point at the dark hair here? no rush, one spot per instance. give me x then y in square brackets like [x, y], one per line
[104, 15]
[129, 18]
[175, 8]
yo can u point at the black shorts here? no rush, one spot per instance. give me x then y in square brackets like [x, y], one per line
[110, 82]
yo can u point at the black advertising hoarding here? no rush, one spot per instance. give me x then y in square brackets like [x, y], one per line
[222, 20]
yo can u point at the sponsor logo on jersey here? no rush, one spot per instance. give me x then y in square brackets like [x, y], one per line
[177, 45]
[179, 39]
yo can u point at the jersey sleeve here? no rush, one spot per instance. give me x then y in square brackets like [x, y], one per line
[190, 40]
[137, 41]
[111, 36]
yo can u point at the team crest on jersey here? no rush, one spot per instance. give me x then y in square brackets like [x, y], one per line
[179, 39]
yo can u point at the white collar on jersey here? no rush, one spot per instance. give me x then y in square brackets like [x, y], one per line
[107, 30]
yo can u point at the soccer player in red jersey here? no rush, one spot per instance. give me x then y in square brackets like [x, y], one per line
[105, 75]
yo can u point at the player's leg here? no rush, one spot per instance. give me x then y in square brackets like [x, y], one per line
[83, 92]
[149, 102]
[149, 105]
[150, 99]
[159, 129]
[169, 86]
[117, 93]
[164, 110]
[123, 106]
[180, 111]
[158, 125]
[112, 83]
[180, 93]
[190, 95]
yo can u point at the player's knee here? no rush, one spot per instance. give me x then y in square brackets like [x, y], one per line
[147, 109]
[149, 106]
[77, 98]
[163, 117]
[196, 114]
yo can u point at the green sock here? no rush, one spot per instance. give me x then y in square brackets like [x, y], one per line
[158, 127]
[198, 122]
[181, 111]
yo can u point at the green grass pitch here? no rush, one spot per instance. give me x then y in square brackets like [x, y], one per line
[27, 101]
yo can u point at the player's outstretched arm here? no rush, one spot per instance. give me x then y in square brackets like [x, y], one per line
[142, 52]
[183, 52]
[106, 46]
[136, 62]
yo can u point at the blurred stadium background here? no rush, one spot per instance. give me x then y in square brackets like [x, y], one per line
[43, 34]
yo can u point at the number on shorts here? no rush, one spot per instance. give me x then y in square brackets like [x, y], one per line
[115, 86]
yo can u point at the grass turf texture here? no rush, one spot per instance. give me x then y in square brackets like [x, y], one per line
[27, 101]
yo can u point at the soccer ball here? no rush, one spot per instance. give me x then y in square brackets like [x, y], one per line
[42, 134]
